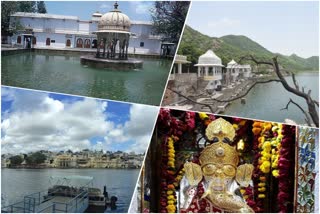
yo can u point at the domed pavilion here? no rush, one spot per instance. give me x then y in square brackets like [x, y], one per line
[113, 35]
[210, 68]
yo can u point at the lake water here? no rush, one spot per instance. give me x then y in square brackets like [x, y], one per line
[265, 101]
[18, 182]
[65, 74]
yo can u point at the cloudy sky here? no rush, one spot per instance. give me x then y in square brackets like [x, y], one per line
[285, 27]
[136, 10]
[34, 121]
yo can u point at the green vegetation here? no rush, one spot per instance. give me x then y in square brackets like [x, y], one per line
[36, 158]
[10, 7]
[193, 44]
[16, 160]
[169, 17]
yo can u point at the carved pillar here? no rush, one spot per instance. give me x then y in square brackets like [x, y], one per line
[98, 47]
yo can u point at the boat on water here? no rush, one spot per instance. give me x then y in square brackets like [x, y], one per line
[71, 186]
[68, 194]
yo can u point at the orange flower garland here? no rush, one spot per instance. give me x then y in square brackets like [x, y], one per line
[276, 144]
[171, 200]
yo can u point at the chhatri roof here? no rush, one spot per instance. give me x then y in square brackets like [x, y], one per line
[209, 59]
[232, 62]
[114, 20]
[180, 59]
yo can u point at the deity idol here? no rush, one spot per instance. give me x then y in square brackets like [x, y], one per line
[213, 185]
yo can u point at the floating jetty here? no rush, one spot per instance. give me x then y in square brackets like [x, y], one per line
[41, 202]
[64, 197]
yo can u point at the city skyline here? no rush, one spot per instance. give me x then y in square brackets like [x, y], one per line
[281, 27]
[33, 121]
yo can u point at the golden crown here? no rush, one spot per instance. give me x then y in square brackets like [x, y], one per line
[219, 153]
[220, 128]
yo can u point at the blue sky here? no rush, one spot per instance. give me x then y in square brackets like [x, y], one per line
[137, 10]
[285, 27]
[33, 120]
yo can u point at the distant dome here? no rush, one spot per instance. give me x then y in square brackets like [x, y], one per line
[114, 20]
[97, 14]
[209, 58]
[232, 62]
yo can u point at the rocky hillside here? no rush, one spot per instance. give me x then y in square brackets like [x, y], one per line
[229, 47]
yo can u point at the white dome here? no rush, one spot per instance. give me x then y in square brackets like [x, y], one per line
[209, 58]
[114, 20]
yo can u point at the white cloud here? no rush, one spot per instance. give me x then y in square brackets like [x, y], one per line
[224, 22]
[37, 121]
[141, 7]
[140, 126]
[51, 124]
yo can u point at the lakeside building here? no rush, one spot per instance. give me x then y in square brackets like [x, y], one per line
[179, 62]
[237, 71]
[61, 31]
[211, 76]
[210, 69]
[83, 159]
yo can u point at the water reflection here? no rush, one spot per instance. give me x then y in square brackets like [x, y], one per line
[63, 73]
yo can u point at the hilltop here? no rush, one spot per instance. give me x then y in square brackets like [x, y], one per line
[193, 44]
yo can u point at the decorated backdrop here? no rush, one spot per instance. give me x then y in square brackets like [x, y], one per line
[179, 137]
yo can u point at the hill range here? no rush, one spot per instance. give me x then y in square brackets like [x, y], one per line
[193, 44]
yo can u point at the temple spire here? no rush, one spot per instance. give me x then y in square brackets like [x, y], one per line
[116, 5]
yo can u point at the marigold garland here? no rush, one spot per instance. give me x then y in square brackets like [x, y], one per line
[171, 191]
[276, 144]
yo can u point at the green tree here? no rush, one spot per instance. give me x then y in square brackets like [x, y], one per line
[36, 158]
[27, 6]
[10, 7]
[41, 7]
[7, 9]
[16, 160]
[169, 17]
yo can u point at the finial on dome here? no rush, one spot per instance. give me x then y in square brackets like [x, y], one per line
[116, 5]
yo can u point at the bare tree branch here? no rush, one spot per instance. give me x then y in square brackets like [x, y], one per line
[312, 113]
[207, 105]
[251, 58]
[312, 109]
[308, 120]
[295, 81]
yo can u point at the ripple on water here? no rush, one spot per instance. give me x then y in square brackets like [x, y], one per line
[65, 74]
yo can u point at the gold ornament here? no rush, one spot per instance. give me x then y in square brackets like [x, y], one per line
[219, 153]
[221, 129]
[193, 173]
[244, 174]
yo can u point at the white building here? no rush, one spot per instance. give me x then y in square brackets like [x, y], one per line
[210, 68]
[238, 71]
[60, 31]
[179, 61]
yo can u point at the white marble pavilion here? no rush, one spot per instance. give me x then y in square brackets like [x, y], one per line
[238, 71]
[210, 68]
[179, 61]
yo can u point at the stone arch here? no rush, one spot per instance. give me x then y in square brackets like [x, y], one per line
[87, 43]
[19, 40]
[68, 43]
[94, 43]
[79, 43]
